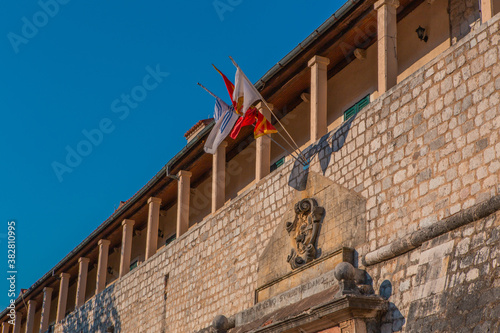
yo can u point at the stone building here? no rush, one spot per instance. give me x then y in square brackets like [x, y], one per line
[394, 226]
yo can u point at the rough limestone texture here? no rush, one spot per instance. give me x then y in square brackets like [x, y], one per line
[343, 223]
[449, 284]
[425, 150]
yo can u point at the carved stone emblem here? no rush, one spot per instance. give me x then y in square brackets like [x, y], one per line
[304, 231]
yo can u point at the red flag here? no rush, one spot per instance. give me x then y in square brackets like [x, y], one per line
[229, 84]
[263, 126]
[247, 119]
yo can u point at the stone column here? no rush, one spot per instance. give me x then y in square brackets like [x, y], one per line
[487, 10]
[183, 194]
[153, 222]
[63, 296]
[47, 302]
[30, 318]
[102, 265]
[263, 147]
[81, 287]
[219, 177]
[386, 44]
[127, 233]
[319, 80]
[18, 322]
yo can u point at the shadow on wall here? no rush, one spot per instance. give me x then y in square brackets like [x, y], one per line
[393, 320]
[328, 144]
[97, 315]
[465, 15]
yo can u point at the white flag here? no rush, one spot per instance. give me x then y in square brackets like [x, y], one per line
[244, 92]
[224, 121]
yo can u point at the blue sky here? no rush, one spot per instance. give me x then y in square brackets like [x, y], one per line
[66, 74]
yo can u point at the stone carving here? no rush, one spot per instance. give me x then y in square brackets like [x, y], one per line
[304, 232]
[352, 281]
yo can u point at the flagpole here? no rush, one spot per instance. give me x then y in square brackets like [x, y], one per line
[282, 126]
[286, 150]
[208, 91]
[305, 161]
[211, 93]
[277, 119]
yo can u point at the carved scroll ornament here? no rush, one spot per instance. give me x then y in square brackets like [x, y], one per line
[304, 232]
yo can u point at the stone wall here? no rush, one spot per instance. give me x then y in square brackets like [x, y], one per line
[449, 284]
[425, 150]
[429, 147]
[343, 223]
[211, 269]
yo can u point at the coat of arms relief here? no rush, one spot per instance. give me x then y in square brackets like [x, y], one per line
[304, 232]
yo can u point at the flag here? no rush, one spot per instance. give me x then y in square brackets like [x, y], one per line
[229, 84]
[225, 118]
[244, 93]
[251, 114]
[262, 127]
[247, 119]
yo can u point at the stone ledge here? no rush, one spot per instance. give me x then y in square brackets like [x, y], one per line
[329, 314]
[415, 239]
[342, 253]
[312, 287]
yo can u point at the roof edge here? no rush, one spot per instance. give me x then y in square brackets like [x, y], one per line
[338, 15]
